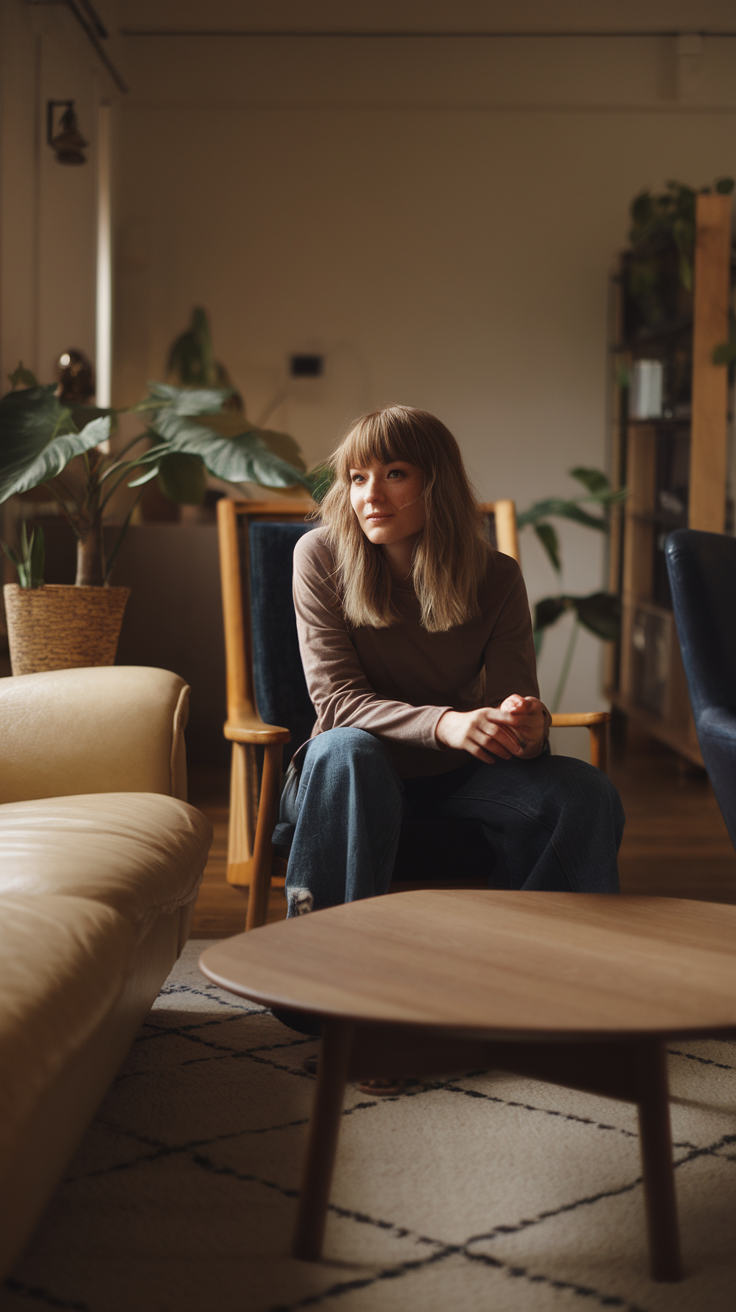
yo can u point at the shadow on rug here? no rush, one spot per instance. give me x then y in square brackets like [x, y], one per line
[476, 1192]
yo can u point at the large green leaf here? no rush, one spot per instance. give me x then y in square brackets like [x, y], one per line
[150, 473]
[599, 485]
[56, 456]
[244, 458]
[564, 510]
[37, 440]
[232, 423]
[28, 421]
[548, 537]
[185, 400]
[594, 479]
[549, 610]
[281, 444]
[600, 613]
[183, 478]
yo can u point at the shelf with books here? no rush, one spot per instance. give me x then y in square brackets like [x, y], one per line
[671, 422]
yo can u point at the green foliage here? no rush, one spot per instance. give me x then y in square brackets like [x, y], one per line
[550, 541]
[663, 231]
[596, 482]
[21, 377]
[183, 478]
[195, 428]
[565, 510]
[598, 490]
[32, 557]
[192, 358]
[184, 401]
[598, 612]
[38, 439]
[657, 222]
[242, 458]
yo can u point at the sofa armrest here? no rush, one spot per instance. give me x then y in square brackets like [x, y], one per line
[108, 729]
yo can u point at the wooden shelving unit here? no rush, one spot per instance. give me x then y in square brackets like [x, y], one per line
[675, 466]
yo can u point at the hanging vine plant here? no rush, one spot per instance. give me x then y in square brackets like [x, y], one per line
[662, 238]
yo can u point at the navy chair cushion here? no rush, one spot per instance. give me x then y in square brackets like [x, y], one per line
[280, 686]
[702, 573]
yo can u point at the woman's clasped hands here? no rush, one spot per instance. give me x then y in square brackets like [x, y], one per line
[517, 728]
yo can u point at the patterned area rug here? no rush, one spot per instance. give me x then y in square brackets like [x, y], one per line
[484, 1191]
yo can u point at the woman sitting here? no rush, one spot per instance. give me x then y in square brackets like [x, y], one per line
[416, 642]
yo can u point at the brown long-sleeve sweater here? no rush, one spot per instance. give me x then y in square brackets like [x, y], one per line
[397, 682]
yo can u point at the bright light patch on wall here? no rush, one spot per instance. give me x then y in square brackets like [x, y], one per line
[103, 350]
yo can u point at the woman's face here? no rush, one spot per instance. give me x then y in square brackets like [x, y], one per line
[388, 501]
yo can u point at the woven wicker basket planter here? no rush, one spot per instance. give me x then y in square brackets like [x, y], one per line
[60, 626]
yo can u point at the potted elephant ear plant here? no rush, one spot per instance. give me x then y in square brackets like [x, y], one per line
[52, 626]
[58, 626]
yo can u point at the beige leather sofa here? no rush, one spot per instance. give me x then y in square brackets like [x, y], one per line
[100, 862]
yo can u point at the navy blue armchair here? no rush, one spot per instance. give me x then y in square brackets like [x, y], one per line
[702, 573]
[269, 705]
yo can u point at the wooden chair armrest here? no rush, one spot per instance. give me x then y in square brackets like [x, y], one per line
[597, 723]
[247, 727]
[576, 718]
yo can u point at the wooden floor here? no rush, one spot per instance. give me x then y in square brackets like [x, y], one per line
[675, 843]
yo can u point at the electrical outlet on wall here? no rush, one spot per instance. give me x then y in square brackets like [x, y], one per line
[306, 366]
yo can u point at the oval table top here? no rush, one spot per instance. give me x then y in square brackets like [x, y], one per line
[504, 964]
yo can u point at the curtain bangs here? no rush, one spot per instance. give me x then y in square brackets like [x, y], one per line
[451, 554]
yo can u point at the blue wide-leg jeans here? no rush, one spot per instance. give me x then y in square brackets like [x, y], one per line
[552, 823]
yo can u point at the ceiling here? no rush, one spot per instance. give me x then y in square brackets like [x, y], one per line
[428, 17]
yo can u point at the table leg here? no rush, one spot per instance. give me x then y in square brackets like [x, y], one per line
[324, 1128]
[655, 1138]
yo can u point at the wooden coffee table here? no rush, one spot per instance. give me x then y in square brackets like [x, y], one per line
[581, 990]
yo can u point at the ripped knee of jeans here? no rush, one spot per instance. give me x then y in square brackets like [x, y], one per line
[300, 901]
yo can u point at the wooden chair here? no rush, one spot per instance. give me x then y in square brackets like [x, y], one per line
[257, 747]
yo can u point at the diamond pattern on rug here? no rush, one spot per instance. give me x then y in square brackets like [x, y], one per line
[485, 1190]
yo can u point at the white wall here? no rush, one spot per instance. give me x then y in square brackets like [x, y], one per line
[438, 217]
[47, 210]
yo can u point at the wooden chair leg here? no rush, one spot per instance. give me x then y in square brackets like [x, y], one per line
[324, 1129]
[599, 746]
[267, 816]
[240, 829]
[655, 1139]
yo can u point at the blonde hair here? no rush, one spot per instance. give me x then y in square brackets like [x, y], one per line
[451, 553]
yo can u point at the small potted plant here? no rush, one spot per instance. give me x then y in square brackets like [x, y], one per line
[54, 627]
